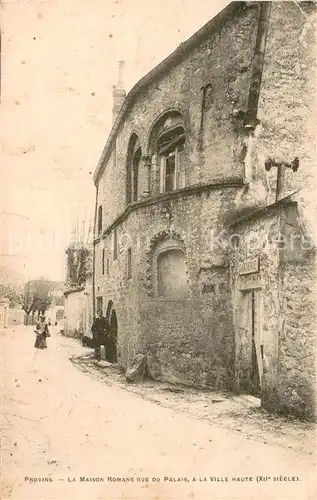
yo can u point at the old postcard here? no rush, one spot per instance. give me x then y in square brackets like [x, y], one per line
[158, 250]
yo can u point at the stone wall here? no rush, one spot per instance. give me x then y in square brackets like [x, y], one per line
[257, 238]
[15, 317]
[287, 106]
[215, 151]
[286, 282]
[199, 339]
[195, 331]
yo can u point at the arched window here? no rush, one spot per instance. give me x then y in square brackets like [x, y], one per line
[168, 143]
[133, 165]
[171, 274]
[170, 270]
[99, 220]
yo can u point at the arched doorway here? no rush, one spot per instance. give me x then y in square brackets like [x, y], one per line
[111, 351]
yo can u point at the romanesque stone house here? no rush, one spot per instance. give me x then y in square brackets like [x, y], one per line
[203, 261]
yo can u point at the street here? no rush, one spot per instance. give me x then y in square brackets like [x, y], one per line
[68, 435]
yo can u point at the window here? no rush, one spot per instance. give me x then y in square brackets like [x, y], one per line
[167, 146]
[103, 261]
[115, 245]
[99, 304]
[208, 288]
[129, 263]
[99, 220]
[171, 147]
[133, 167]
[108, 266]
[169, 268]
[135, 173]
[171, 274]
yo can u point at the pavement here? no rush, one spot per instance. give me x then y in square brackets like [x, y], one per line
[72, 429]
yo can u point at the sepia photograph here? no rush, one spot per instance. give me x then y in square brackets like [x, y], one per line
[158, 250]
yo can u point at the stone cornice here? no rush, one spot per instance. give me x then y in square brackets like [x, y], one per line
[265, 210]
[179, 193]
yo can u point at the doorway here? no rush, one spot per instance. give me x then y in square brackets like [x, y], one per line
[256, 345]
[112, 350]
[249, 342]
[111, 316]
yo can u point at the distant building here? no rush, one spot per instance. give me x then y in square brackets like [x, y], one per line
[202, 261]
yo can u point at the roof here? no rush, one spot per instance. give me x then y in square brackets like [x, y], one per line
[267, 209]
[170, 61]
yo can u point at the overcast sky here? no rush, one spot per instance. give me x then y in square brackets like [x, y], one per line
[60, 61]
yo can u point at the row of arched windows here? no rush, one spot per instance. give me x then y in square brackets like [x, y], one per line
[166, 157]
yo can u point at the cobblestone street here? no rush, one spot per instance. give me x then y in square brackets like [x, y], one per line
[66, 418]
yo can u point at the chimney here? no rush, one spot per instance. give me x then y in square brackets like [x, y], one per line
[118, 93]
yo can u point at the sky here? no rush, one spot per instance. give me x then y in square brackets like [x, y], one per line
[59, 64]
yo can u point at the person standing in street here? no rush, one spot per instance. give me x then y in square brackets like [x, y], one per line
[99, 332]
[41, 332]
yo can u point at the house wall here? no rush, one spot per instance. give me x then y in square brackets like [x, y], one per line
[215, 151]
[15, 317]
[74, 314]
[287, 105]
[199, 339]
[188, 339]
[287, 285]
[78, 311]
[258, 239]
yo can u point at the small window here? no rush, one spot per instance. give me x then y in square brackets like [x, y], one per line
[115, 245]
[99, 304]
[133, 168]
[99, 220]
[208, 288]
[135, 173]
[103, 261]
[129, 263]
[108, 266]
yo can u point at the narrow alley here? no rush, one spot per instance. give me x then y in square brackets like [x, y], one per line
[68, 434]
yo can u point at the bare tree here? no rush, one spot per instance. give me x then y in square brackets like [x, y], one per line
[78, 264]
[37, 297]
[13, 293]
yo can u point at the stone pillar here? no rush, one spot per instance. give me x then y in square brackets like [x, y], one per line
[147, 166]
[4, 306]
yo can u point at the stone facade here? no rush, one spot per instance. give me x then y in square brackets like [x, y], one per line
[178, 170]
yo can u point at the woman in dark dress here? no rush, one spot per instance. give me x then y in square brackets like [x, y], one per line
[41, 332]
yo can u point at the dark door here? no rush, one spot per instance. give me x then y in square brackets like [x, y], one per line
[112, 341]
[255, 375]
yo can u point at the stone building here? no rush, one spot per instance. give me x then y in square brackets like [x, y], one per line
[193, 263]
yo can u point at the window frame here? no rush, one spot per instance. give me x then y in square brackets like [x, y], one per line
[129, 263]
[115, 244]
[103, 262]
[132, 168]
[135, 166]
[108, 266]
[165, 247]
[100, 220]
[172, 148]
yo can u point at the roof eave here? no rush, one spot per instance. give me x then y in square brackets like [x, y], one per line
[178, 53]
